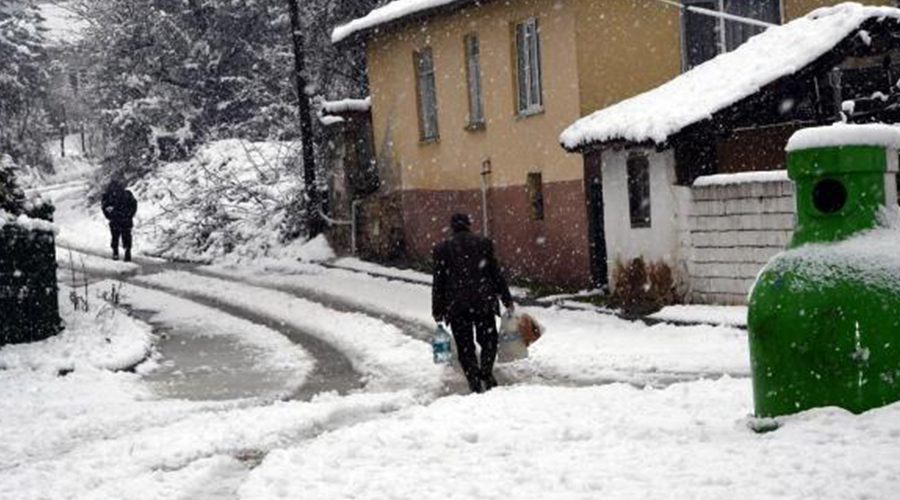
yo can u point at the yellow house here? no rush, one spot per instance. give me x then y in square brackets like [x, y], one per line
[469, 100]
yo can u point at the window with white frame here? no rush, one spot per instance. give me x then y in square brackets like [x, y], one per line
[426, 95]
[706, 36]
[528, 67]
[473, 77]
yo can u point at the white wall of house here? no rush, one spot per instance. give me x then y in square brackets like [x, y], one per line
[736, 223]
[715, 236]
[664, 239]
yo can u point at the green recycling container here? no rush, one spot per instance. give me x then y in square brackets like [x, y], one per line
[824, 316]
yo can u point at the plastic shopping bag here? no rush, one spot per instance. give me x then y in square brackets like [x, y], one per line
[511, 347]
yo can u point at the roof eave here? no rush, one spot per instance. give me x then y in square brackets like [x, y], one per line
[442, 10]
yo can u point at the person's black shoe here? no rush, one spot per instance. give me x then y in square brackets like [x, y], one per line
[475, 386]
[128, 255]
[115, 256]
[489, 382]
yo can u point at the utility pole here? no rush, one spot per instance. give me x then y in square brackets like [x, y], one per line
[314, 220]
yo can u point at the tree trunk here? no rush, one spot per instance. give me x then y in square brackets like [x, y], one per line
[315, 222]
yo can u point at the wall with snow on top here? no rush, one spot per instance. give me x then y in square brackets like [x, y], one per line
[736, 223]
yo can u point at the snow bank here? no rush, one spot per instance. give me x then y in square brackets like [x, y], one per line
[589, 347]
[724, 80]
[393, 11]
[315, 250]
[741, 178]
[70, 261]
[103, 338]
[694, 313]
[842, 134]
[611, 442]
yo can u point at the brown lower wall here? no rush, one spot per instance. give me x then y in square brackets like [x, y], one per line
[552, 251]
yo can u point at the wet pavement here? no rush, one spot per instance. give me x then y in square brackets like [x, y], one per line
[202, 367]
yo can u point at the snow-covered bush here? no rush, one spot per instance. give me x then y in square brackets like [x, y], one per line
[233, 197]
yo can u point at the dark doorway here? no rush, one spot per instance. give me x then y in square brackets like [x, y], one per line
[596, 232]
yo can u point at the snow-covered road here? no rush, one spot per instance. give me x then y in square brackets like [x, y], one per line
[370, 416]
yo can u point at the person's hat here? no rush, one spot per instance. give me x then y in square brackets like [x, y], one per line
[460, 222]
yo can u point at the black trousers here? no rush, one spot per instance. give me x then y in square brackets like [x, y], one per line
[485, 327]
[120, 232]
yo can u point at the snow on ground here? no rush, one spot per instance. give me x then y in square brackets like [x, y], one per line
[356, 264]
[387, 358]
[697, 313]
[585, 346]
[70, 261]
[611, 442]
[240, 358]
[96, 433]
[102, 337]
[580, 346]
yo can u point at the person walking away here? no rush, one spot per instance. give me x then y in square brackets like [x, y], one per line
[119, 207]
[467, 284]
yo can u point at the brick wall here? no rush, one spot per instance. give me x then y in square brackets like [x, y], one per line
[734, 229]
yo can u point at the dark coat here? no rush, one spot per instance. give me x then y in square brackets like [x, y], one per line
[119, 206]
[467, 278]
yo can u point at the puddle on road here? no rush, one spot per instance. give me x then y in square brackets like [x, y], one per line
[211, 367]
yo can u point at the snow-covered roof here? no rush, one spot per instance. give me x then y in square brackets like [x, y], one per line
[722, 81]
[393, 11]
[841, 134]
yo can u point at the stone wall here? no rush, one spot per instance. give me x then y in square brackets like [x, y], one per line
[736, 224]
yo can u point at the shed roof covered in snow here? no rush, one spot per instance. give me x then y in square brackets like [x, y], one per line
[398, 10]
[697, 95]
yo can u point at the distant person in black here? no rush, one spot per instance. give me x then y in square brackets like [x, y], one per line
[467, 284]
[119, 207]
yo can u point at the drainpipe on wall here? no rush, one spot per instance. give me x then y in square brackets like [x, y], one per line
[485, 172]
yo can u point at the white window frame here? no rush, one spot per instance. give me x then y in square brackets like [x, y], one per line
[529, 93]
[472, 46]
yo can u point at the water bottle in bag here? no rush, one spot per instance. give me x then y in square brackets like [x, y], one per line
[440, 345]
